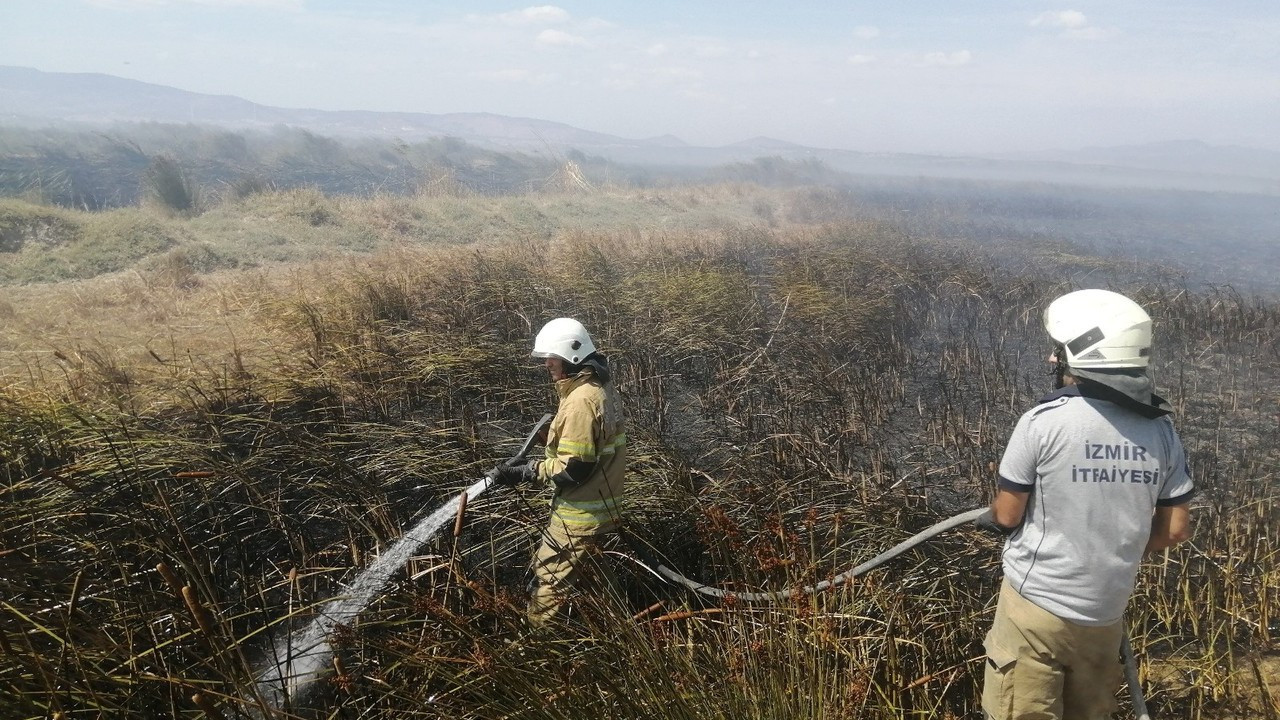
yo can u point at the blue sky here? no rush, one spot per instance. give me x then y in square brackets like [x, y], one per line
[981, 76]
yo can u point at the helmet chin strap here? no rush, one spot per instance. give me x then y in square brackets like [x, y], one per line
[1059, 369]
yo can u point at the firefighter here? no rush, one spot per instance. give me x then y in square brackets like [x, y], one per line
[1093, 477]
[585, 461]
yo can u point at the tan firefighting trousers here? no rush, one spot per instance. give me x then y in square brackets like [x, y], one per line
[589, 427]
[1041, 667]
[566, 563]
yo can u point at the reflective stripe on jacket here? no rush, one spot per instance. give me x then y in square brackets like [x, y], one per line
[590, 426]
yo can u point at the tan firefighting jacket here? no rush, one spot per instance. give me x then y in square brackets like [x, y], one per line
[590, 426]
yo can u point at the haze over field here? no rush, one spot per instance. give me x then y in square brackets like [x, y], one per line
[1174, 97]
[270, 271]
[987, 77]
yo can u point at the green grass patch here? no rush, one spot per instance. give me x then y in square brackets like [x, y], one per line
[91, 245]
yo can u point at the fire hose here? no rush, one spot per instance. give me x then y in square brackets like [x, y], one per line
[1130, 664]
[670, 575]
[538, 429]
[836, 581]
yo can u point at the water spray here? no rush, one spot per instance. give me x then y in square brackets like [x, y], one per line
[299, 659]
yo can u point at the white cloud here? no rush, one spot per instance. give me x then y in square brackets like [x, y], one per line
[1073, 24]
[710, 51]
[1069, 19]
[560, 38]
[540, 15]
[866, 32]
[656, 49]
[861, 59]
[942, 59]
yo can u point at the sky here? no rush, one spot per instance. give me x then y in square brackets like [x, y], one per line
[922, 76]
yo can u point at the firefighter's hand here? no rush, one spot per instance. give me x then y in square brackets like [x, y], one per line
[512, 472]
[987, 521]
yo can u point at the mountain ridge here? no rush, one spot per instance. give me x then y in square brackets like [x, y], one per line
[102, 98]
[99, 98]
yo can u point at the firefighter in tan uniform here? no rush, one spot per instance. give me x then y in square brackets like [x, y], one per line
[585, 461]
[1092, 478]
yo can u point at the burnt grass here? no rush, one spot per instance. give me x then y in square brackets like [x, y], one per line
[798, 402]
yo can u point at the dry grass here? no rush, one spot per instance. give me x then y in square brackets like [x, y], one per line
[800, 399]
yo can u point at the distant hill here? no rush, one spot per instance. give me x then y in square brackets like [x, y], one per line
[27, 94]
[1192, 156]
[768, 144]
[33, 97]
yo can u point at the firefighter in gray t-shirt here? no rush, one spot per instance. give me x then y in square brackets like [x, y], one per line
[1093, 477]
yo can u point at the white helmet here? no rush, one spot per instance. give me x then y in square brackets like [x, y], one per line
[1100, 329]
[564, 338]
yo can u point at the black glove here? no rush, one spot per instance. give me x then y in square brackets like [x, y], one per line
[513, 472]
[987, 521]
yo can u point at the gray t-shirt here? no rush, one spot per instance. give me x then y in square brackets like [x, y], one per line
[1096, 472]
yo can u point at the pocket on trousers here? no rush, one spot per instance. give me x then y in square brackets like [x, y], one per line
[997, 684]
